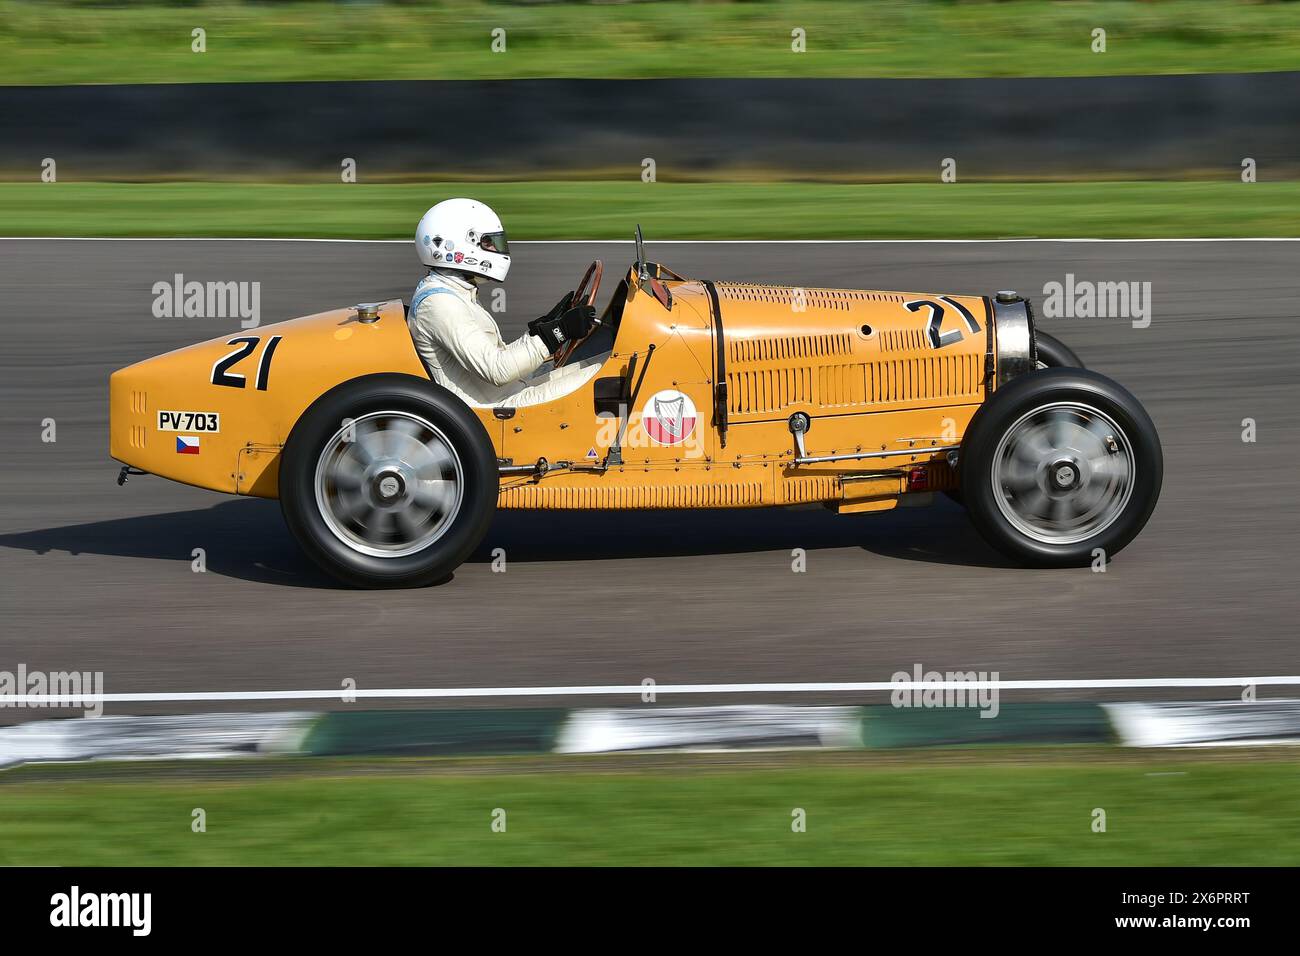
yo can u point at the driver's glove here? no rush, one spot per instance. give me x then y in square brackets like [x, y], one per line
[569, 326]
[552, 317]
[558, 310]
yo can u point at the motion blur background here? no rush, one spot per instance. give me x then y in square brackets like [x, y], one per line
[779, 121]
[775, 120]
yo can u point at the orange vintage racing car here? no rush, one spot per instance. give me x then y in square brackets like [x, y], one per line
[710, 394]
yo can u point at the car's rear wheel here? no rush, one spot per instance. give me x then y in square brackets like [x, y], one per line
[388, 481]
[1061, 467]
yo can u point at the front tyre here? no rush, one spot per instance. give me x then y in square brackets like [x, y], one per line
[388, 481]
[1053, 353]
[1059, 463]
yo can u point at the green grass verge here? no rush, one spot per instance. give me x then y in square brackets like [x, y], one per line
[939, 808]
[608, 210]
[58, 41]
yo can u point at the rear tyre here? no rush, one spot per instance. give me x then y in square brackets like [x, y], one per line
[388, 481]
[1059, 463]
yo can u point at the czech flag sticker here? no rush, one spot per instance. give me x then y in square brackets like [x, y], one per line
[187, 444]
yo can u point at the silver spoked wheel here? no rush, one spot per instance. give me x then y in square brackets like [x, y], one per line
[389, 484]
[1063, 473]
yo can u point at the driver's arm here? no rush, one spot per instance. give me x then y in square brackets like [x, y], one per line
[472, 338]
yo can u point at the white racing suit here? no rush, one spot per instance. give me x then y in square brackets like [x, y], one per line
[463, 351]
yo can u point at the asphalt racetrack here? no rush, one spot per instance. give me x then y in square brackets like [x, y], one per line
[98, 578]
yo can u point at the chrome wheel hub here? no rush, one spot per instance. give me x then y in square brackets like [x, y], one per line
[389, 484]
[1064, 476]
[388, 487]
[1063, 473]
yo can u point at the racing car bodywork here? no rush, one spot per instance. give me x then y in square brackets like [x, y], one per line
[712, 395]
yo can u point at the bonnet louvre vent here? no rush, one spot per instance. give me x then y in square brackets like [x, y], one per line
[738, 494]
[896, 383]
[779, 347]
[835, 299]
[902, 340]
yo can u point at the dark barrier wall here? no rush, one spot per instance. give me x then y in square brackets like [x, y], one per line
[1153, 126]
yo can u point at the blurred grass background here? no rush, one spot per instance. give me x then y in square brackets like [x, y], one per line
[148, 41]
[946, 808]
[608, 210]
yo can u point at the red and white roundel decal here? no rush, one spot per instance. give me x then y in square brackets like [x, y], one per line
[669, 417]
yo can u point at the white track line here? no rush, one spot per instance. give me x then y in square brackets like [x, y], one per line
[628, 242]
[639, 689]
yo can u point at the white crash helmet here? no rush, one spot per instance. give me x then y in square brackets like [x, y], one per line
[466, 235]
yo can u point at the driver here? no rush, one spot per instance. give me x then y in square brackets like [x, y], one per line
[463, 243]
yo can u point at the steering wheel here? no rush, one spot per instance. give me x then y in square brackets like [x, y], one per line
[583, 296]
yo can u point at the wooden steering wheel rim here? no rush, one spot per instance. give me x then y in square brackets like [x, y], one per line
[582, 297]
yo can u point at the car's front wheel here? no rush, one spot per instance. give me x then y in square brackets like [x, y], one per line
[1061, 467]
[1053, 353]
[388, 481]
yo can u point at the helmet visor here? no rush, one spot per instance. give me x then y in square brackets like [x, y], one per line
[495, 242]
